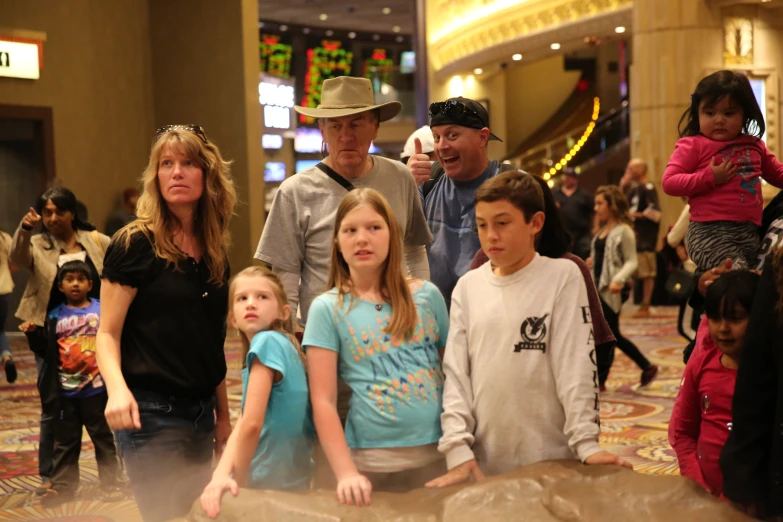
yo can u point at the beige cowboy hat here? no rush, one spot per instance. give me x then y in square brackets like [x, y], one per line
[346, 95]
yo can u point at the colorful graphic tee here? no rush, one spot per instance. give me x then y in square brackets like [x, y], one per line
[76, 331]
[397, 383]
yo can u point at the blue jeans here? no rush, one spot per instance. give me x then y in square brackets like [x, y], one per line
[169, 460]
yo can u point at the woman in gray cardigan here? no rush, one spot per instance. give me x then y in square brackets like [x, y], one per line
[613, 263]
[64, 237]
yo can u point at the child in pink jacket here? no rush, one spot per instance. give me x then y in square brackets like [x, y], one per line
[717, 164]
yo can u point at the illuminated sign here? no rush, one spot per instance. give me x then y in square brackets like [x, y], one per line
[272, 141]
[378, 66]
[276, 96]
[325, 62]
[19, 60]
[274, 57]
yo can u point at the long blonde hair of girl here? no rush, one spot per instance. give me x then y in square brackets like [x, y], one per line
[617, 203]
[214, 211]
[284, 327]
[394, 284]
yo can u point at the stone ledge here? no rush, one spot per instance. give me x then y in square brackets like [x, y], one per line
[553, 491]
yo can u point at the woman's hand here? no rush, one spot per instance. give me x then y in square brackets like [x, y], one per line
[615, 287]
[456, 475]
[31, 219]
[222, 433]
[210, 498]
[27, 327]
[604, 457]
[122, 411]
[589, 262]
[354, 488]
[709, 277]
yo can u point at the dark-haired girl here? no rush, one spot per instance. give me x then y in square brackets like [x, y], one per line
[717, 164]
[65, 237]
[701, 418]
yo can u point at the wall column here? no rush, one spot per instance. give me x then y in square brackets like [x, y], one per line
[675, 44]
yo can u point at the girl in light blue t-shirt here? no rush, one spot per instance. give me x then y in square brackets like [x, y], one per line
[272, 444]
[383, 335]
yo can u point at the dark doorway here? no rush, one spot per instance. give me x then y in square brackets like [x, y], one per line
[26, 167]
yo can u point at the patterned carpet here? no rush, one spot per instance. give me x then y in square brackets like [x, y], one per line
[634, 424]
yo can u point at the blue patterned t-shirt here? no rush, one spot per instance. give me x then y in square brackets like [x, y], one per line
[397, 384]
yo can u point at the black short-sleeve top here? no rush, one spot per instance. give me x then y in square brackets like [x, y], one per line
[175, 328]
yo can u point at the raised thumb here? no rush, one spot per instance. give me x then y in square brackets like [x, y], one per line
[417, 145]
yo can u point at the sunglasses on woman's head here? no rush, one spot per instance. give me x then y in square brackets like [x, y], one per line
[195, 129]
[451, 108]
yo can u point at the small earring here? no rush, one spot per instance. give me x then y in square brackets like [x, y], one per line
[239, 333]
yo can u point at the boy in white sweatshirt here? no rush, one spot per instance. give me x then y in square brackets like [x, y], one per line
[521, 378]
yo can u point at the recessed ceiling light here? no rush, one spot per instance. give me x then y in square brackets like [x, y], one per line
[284, 28]
[352, 35]
[396, 28]
[386, 10]
[619, 29]
[478, 70]
[329, 32]
[400, 39]
[376, 37]
[260, 25]
[306, 30]
[516, 57]
[555, 46]
[323, 17]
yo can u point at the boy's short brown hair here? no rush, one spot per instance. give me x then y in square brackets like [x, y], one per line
[518, 188]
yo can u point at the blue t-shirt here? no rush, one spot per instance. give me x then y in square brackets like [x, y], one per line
[451, 214]
[397, 384]
[284, 455]
[76, 331]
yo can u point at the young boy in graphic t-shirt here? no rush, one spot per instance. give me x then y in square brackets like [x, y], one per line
[71, 328]
[521, 378]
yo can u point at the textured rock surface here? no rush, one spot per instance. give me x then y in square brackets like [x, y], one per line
[552, 491]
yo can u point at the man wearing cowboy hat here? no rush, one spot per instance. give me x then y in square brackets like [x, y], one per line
[460, 128]
[297, 237]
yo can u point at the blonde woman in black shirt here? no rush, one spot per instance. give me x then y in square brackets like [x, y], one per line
[164, 304]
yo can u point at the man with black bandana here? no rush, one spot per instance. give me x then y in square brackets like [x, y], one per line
[460, 128]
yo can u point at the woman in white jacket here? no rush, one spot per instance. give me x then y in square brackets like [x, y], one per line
[613, 263]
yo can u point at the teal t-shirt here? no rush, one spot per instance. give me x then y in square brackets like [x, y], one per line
[284, 455]
[397, 384]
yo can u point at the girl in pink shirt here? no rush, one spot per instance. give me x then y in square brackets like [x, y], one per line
[717, 164]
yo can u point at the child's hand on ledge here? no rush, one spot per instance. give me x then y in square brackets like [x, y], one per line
[604, 457]
[456, 475]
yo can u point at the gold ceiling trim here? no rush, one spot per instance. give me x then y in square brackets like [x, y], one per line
[507, 24]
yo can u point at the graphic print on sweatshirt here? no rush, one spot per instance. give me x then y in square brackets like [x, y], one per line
[533, 332]
[747, 158]
[404, 373]
[76, 332]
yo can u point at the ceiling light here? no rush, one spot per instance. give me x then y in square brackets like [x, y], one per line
[551, 183]
[516, 57]
[619, 29]
[396, 28]
[323, 17]
[376, 37]
[351, 35]
[555, 46]
[400, 39]
[329, 32]
[284, 28]
[260, 25]
[386, 10]
[478, 70]
[306, 30]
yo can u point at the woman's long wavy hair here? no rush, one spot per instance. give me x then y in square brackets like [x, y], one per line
[617, 203]
[394, 284]
[213, 213]
[284, 327]
[64, 200]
